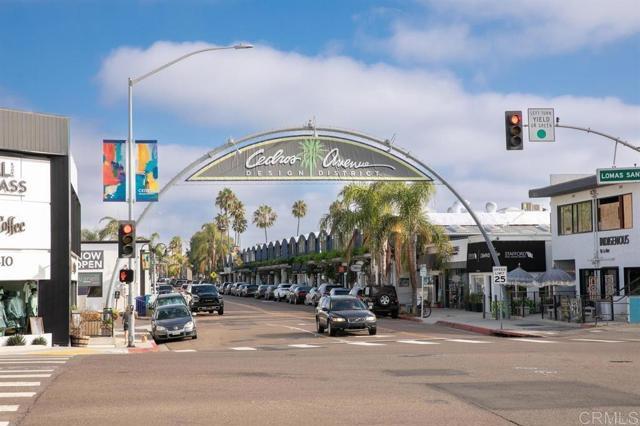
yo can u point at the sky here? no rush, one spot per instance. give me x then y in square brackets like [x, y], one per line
[437, 76]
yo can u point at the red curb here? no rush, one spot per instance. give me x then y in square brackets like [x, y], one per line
[484, 330]
[154, 348]
[409, 318]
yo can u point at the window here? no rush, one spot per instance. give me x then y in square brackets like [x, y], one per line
[575, 218]
[615, 213]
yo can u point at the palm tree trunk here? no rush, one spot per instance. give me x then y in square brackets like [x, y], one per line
[413, 273]
[265, 235]
[298, 231]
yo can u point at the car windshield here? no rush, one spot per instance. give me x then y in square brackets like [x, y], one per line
[285, 285]
[170, 300]
[340, 291]
[347, 305]
[198, 289]
[173, 312]
[303, 288]
[252, 286]
[165, 288]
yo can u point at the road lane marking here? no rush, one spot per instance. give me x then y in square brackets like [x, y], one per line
[184, 350]
[418, 342]
[365, 344]
[18, 384]
[465, 341]
[25, 376]
[598, 341]
[34, 359]
[32, 362]
[304, 346]
[377, 336]
[6, 408]
[2, 371]
[518, 339]
[244, 348]
[17, 394]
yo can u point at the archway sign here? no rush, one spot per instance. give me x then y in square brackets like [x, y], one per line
[309, 153]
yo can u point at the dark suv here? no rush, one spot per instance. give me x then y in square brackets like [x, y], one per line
[205, 297]
[381, 300]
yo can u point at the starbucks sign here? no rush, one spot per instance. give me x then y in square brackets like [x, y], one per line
[309, 158]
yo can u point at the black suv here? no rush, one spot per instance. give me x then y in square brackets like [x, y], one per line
[205, 297]
[381, 300]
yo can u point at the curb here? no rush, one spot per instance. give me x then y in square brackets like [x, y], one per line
[153, 348]
[409, 318]
[484, 330]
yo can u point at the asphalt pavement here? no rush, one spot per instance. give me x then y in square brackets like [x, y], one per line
[263, 363]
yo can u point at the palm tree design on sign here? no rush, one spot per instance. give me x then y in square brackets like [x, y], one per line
[312, 152]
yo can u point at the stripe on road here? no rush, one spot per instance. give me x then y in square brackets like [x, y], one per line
[365, 344]
[184, 350]
[598, 340]
[16, 394]
[37, 370]
[32, 362]
[304, 346]
[519, 339]
[18, 384]
[34, 359]
[21, 376]
[6, 408]
[244, 348]
[418, 342]
[466, 341]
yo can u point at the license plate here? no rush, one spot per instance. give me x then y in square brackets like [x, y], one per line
[370, 305]
[175, 333]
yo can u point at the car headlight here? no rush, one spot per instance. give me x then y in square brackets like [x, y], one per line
[160, 328]
[371, 318]
[338, 319]
[188, 325]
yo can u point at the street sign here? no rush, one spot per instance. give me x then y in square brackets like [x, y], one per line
[116, 295]
[542, 125]
[619, 175]
[423, 271]
[356, 268]
[499, 276]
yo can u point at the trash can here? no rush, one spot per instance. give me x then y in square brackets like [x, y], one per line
[141, 306]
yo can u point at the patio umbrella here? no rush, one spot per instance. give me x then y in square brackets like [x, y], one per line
[555, 276]
[520, 277]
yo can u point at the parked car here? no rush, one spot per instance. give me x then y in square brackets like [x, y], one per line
[173, 322]
[324, 290]
[381, 300]
[167, 299]
[226, 287]
[231, 288]
[298, 295]
[238, 289]
[179, 283]
[309, 298]
[260, 292]
[341, 313]
[205, 297]
[269, 292]
[287, 293]
[281, 291]
[165, 289]
[339, 292]
[249, 290]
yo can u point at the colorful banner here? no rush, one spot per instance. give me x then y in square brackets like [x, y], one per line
[114, 176]
[147, 186]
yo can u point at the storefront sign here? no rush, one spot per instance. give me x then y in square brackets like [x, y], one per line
[25, 265]
[529, 255]
[614, 241]
[25, 225]
[10, 225]
[92, 259]
[309, 158]
[24, 179]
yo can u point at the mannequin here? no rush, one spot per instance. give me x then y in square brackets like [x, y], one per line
[15, 311]
[3, 315]
[32, 304]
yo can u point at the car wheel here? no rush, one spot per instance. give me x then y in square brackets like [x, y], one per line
[332, 331]
[394, 314]
[220, 311]
[211, 312]
[384, 300]
[373, 331]
[195, 336]
[319, 327]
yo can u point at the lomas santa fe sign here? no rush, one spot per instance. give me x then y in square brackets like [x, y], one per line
[309, 158]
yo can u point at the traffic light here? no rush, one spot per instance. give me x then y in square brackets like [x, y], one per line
[126, 239]
[125, 276]
[513, 127]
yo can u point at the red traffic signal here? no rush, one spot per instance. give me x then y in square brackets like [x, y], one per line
[126, 276]
[126, 239]
[513, 130]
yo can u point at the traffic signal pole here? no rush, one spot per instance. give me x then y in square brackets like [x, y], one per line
[131, 174]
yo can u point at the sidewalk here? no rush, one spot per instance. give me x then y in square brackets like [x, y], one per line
[531, 326]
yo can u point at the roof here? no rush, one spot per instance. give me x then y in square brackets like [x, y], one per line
[509, 217]
[568, 187]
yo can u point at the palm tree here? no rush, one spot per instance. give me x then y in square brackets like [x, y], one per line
[225, 201]
[239, 221]
[110, 230]
[222, 222]
[299, 210]
[89, 235]
[264, 217]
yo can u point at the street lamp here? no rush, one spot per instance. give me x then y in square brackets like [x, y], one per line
[130, 160]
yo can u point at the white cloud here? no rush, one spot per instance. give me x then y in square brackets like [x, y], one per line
[458, 133]
[464, 30]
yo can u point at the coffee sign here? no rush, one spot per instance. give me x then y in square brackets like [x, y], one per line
[309, 158]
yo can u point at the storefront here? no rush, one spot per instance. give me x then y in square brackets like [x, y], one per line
[596, 237]
[39, 224]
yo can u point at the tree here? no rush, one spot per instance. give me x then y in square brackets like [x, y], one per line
[222, 222]
[89, 235]
[110, 230]
[239, 220]
[299, 210]
[225, 201]
[264, 217]
[208, 247]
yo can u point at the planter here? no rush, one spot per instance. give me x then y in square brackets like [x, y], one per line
[477, 307]
[80, 341]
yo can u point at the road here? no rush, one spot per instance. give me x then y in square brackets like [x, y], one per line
[262, 363]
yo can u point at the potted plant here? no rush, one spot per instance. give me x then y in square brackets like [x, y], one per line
[77, 338]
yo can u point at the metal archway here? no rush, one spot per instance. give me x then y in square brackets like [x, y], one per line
[400, 154]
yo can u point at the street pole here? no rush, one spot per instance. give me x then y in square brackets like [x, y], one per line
[131, 194]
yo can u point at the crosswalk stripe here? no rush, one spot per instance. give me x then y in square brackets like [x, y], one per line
[365, 344]
[418, 342]
[18, 384]
[21, 376]
[16, 394]
[34, 359]
[598, 340]
[6, 408]
[303, 346]
[32, 362]
[518, 339]
[466, 341]
[4, 423]
[48, 370]
[244, 348]
[184, 350]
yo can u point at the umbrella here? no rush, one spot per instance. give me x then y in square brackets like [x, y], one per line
[555, 276]
[519, 277]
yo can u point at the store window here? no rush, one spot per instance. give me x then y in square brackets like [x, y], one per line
[632, 281]
[609, 282]
[615, 213]
[575, 218]
[90, 284]
[18, 302]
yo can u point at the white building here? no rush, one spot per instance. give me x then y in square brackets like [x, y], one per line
[596, 236]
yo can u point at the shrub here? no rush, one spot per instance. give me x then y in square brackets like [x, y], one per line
[39, 341]
[16, 340]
